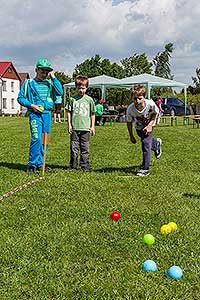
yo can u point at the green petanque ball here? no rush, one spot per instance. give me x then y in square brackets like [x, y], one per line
[148, 239]
[41, 108]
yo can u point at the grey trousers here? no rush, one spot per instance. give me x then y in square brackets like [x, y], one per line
[148, 144]
[79, 140]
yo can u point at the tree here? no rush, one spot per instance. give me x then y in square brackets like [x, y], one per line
[136, 64]
[161, 62]
[63, 78]
[96, 66]
[90, 67]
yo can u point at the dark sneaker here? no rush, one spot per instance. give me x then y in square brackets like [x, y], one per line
[48, 169]
[85, 170]
[143, 172]
[30, 170]
[71, 169]
[158, 150]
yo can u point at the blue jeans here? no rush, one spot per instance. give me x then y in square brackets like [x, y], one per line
[39, 124]
[148, 144]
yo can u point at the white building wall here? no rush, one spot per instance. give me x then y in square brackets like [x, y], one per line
[10, 94]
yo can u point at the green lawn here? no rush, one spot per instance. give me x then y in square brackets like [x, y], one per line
[57, 240]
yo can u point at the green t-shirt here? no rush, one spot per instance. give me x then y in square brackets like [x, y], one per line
[99, 110]
[81, 109]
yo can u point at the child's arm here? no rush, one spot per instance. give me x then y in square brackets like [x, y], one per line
[69, 124]
[130, 131]
[56, 85]
[23, 100]
[148, 128]
[92, 128]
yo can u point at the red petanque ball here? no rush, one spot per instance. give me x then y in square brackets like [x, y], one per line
[115, 216]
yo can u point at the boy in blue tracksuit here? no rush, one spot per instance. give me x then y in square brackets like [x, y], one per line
[37, 95]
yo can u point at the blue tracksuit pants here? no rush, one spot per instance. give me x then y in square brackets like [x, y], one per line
[39, 124]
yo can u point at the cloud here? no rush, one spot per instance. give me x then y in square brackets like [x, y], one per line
[69, 31]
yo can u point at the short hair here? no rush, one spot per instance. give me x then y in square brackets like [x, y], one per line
[138, 90]
[81, 79]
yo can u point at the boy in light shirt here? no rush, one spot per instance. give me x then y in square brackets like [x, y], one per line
[143, 113]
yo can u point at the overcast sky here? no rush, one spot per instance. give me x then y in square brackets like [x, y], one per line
[69, 31]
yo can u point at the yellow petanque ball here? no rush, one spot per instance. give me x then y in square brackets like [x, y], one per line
[173, 226]
[165, 229]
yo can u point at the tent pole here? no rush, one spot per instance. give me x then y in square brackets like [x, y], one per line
[103, 92]
[185, 98]
[148, 91]
[64, 103]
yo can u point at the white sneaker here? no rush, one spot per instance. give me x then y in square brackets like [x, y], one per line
[143, 173]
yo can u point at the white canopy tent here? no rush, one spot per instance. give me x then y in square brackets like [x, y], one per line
[102, 82]
[147, 80]
[150, 81]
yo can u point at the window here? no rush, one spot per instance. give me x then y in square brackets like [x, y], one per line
[4, 86]
[4, 103]
[12, 86]
[10, 70]
[13, 103]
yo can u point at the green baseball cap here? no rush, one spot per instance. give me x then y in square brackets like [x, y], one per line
[44, 63]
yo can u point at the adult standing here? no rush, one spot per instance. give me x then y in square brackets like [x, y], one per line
[58, 105]
[159, 103]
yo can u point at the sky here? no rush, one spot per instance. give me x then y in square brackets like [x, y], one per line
[70, 31]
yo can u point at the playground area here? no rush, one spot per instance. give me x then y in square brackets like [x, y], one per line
[57, 238]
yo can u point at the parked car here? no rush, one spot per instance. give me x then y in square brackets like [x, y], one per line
[174, 107]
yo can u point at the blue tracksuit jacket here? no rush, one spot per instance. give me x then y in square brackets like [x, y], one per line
[39, 93]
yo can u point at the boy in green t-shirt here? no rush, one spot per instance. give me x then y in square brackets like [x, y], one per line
[81, 122]
[99, 112]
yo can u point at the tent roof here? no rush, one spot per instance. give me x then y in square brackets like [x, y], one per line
[145, 79]
[99, 81]
[150, 80]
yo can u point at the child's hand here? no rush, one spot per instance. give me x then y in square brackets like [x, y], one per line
[92, 131]
[147, 129]
[132, 139]
[36, 108]
[51, 74]
[70, 129]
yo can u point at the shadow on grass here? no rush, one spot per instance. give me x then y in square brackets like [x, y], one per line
[58, 167]
[14, 166]
[191, 195]
[18, 166]
[131, 170]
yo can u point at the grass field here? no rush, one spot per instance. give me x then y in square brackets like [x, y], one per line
[57, 240]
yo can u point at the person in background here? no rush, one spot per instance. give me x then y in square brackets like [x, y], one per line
[143, 113]
[159, 103]
[81, 123]
[99, 112]
[58, 105]
[37, 96]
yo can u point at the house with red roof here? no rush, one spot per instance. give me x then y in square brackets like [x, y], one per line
[9, 88]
